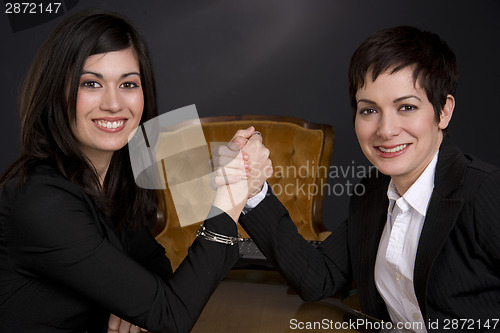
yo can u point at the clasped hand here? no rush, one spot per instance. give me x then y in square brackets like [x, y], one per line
[242, 167]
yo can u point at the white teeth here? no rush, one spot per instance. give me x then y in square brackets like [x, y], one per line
[393, 150]
[109, 124]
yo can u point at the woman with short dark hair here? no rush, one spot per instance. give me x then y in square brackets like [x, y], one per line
[421, 242]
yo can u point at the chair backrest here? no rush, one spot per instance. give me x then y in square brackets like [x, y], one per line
[300, 152]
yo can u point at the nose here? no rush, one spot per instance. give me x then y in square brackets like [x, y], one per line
[388, 126]
[111, 101]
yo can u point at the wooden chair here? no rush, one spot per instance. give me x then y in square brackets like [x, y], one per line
[300, 152]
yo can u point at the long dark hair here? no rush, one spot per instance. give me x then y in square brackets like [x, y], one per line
[48, 107]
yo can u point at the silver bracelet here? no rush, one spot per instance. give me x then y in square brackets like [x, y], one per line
[215, 237]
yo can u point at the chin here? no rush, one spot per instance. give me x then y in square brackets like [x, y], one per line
[112, 149]
[389, 170]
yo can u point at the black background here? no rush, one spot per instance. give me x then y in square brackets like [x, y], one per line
[281, 57]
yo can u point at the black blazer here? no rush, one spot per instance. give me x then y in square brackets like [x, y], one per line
[457, 266]
[64, 267]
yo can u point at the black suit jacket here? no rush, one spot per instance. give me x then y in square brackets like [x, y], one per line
[64, 267]
[457, 266]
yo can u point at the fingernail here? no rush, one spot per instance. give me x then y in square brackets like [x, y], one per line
[247, 166]
[245, 156]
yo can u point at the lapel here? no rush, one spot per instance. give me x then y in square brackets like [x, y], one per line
[441, 216]
[368, 217]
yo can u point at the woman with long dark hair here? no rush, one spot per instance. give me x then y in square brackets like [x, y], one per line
[74, 246]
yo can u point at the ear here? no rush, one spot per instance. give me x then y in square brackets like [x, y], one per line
[447, 112]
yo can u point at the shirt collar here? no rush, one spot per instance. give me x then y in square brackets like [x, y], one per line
[419, 194]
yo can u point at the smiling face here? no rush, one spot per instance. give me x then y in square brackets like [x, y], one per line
[109, 104]
[396, 126]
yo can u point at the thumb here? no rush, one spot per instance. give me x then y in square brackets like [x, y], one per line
[240, 138]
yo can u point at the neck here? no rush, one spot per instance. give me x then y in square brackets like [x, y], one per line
[101, 164]
[401, 185]
[102, 173]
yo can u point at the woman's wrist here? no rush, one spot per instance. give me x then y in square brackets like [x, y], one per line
[232, 198]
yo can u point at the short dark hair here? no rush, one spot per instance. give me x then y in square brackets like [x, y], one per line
[433, 62]
[48, 107]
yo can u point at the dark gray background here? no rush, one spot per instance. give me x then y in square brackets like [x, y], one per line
[284, 57]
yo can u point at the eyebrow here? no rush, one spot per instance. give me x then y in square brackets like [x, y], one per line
[102, 76]
[366, 101]
[397, 100]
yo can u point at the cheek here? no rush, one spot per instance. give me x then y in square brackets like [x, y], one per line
[357, 127]
[138, 111]
[85, 103]
[424, 127]
[137, 104]
[363, 131]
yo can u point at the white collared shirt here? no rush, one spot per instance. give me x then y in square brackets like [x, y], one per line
[398, 248]
[255, 200]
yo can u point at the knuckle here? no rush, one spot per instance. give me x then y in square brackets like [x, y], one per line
[239, 139]
[240, 132]
[237, 143]
[249, 144]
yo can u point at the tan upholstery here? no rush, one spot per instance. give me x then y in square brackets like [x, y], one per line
[300, 152]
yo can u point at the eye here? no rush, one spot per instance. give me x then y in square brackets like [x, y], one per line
[408, 107]
[367, 111]
[90, 84]
[129, 85]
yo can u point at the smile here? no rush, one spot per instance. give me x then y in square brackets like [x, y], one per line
[392, 150]
[109, 126]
